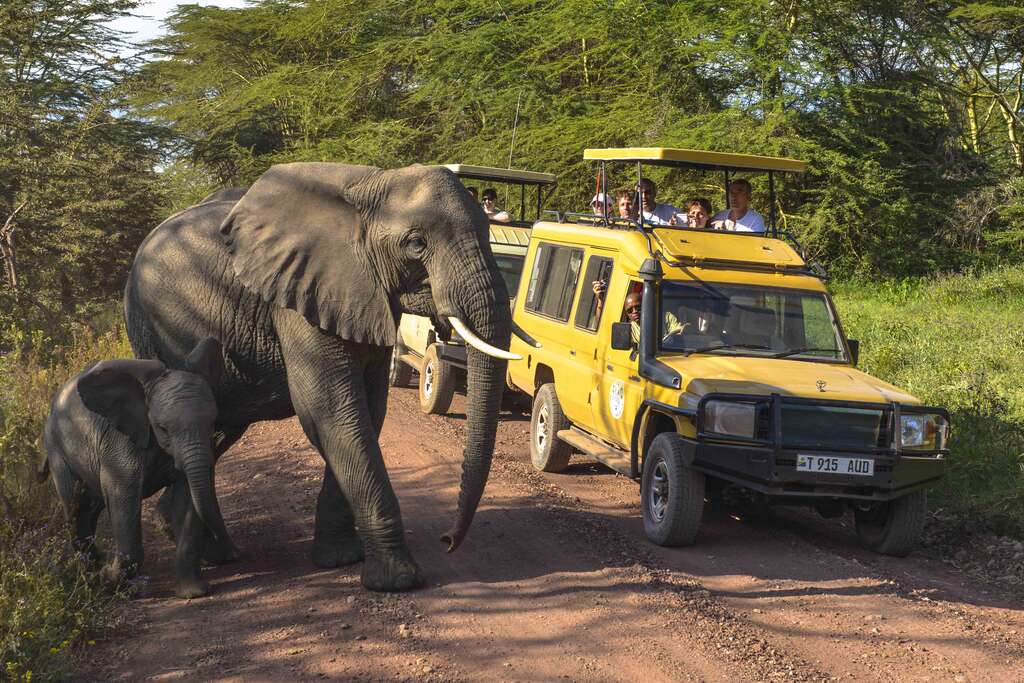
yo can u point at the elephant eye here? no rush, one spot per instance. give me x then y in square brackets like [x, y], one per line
[414, 244]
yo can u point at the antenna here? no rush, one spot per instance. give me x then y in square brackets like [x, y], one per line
[515, 125]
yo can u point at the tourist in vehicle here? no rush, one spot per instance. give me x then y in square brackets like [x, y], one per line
[490, 196]
[599, 204]
[631, 310]
[739, 217]
[653, 212]
[699, 211]
[624, 200]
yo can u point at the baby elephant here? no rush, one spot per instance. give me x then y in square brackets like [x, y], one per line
[124, 429]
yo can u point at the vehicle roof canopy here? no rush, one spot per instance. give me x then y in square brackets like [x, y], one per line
[502, 175]
[696, 158]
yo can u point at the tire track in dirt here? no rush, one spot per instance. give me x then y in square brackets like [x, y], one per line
[555, 581]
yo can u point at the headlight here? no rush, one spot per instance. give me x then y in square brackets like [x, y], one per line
[736, 419]
[920, 432]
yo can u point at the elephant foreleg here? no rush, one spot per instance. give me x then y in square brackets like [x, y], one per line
[190, 528]
[122, 494]
[335, 541]
[327, 384]
[221, 551]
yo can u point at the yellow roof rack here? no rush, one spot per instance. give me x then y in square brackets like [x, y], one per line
[696, 158]
[504, 175]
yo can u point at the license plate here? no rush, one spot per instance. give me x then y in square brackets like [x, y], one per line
[827, 464]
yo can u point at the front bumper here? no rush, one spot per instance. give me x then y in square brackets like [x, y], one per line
[768, 465]
[453, 354]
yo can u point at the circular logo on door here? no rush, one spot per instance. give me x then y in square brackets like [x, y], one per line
[617, 398]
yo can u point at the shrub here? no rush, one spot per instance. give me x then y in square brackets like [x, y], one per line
[956, 341]
[48, 602]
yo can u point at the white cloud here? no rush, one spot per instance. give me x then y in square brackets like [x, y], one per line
[151, 14]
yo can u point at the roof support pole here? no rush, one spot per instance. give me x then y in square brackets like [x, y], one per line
[727, 189]
[639, 206]
[522, 202]
[604, 191]
[771, 198]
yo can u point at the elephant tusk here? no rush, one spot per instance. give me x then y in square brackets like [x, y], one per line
[521, 333]
[479, 344]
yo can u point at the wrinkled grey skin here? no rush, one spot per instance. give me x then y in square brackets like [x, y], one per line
[124, 429]
[305, 278]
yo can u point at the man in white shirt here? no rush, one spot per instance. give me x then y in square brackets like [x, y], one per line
[739, 217]
[653, 213]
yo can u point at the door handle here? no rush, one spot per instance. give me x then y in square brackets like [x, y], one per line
[571, 352]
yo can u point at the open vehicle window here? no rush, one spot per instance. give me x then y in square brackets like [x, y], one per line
[553, 280]
[744, 320]
[511, 267]
[588, 312]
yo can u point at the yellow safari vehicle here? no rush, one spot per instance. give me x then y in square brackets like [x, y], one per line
[730, 375]
[419, 347]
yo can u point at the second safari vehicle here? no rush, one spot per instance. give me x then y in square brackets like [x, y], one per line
[736, 380]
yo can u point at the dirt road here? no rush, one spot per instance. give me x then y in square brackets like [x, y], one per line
[555, 581]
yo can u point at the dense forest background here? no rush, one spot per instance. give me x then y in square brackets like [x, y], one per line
[910, 114]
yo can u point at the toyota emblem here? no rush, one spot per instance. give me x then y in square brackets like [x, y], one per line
[821, 385]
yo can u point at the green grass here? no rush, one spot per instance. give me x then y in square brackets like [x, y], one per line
[49, 605]
[958, 342]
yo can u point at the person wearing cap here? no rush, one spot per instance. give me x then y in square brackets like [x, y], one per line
[739, 217]
[653, 212]
[599, 204]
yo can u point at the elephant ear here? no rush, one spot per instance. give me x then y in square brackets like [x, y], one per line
[297, 238]
[207, 360]
[114, 390]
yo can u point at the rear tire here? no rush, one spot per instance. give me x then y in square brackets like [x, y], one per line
[894, 527]
[400, 374]
[672, 493]
[547, 452]
[437, 383]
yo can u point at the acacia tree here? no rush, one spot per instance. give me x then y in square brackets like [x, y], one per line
[77, 188]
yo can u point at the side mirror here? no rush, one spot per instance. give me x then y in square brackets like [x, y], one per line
[854, 350]
[622, 336]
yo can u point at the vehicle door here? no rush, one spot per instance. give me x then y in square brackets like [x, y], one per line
[621, 391]
[584, 340]
[551, 290]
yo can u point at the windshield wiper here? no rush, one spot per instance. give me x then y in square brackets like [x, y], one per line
[803, 349]
[758, 347]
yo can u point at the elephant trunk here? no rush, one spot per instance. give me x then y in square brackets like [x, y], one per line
[491, 320]
[197, 464]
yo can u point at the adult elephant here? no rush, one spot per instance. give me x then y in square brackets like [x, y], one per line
[304, 279]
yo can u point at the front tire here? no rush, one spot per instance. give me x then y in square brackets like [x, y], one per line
[437, 383]
[672, 493]
[400, 374]
[547, 452]
[894, 527]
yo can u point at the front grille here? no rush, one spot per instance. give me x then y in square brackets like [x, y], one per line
[824, 427]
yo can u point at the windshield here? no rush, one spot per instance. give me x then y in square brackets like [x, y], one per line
[511, 267]
[761, 321]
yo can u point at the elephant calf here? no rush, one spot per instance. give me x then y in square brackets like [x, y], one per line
[121, 431]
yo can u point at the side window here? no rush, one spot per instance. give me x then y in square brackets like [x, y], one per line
[553, 280]
[588, 313]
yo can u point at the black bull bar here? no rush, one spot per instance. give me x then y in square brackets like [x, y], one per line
[768, 464]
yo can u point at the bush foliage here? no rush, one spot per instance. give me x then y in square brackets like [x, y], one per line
[956, 341]
[48, 602]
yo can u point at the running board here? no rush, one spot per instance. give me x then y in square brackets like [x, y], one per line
[411, 359]
[613, 457]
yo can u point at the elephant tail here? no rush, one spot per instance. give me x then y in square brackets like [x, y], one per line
[43, 469]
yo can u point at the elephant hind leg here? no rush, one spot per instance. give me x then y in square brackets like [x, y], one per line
[335, 541]
[81, 508]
